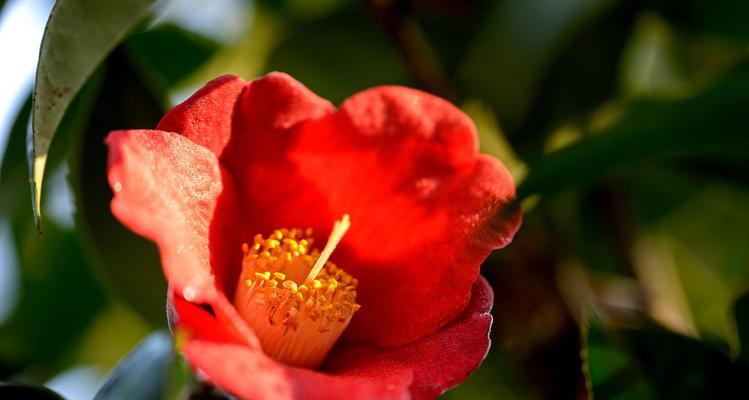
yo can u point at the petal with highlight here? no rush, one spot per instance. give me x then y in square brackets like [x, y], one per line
[165, 189]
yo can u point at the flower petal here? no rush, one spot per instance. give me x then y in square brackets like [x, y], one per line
[426, 208]
[165, 189]
[255, 157]
[244, 370]
[225, 359]
[437, 362]
[205, 118]
[423, 369]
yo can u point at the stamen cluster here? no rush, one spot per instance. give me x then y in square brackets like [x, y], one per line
[296, 323]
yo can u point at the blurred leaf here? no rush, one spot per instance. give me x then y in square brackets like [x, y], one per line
[492, 140]
[116, 330]
[306, 52]
[14, 172]
[710, 125]
[741, 315]
[143, 374]
[24, 392]
[247, 56]
[657, 191]
[57, 287]
[652, 363]
[518, 42]
[705, 239]
[59, 298]
[13, 161]
[128, 264]
[650, 65]
[78, 36]
[166, 55]
[495, 379]
[182, 381]
[578, 85]
[726, 18]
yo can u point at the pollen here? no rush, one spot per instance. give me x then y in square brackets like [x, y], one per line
[296, 300]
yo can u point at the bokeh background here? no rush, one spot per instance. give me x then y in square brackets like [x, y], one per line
[625, 124]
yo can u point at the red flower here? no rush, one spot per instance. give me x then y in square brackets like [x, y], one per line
[239, 159]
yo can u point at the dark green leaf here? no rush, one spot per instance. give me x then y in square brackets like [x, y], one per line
[306, 55]
[24, 392]
[56, 285]
[78, 36]
[741, 314]
[166, 55]
[143, 374]
[717, 17]
[59, 297]
[518, 42]
[128, 263]
[652, 363]
[710, 125]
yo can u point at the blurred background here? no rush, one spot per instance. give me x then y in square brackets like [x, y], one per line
[623, 122]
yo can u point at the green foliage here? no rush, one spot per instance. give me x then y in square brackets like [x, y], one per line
[52, 266]
[128, 264]
[78, 36]
[741, 314]
[306, 51]
[143, 374]
[708, 127]
[652, 363]
[166, 55]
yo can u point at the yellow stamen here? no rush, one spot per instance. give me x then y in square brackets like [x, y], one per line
[295, 299]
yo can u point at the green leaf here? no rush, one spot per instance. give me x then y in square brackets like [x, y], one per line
[25, 392]
[652, 363]
[78, 36]
[305, 53]
[741, 314]
[144, 373]
[708, 126]
[59, 298]
[166, 55]
[515, 48]
[56, 284]
[128, 264]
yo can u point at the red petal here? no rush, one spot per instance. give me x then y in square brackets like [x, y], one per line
[437, 362]
[268, 107]
[205, 118]
[165, 189]
[426, 209]
[216, 351]
[423, 369]
[226, 360]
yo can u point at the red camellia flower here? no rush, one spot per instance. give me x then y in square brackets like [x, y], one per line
[252, 190]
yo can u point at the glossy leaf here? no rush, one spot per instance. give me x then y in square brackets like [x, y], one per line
[78, 36]
[710, 125]
[144, 373]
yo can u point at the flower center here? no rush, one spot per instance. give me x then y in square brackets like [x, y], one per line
[297, 302]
